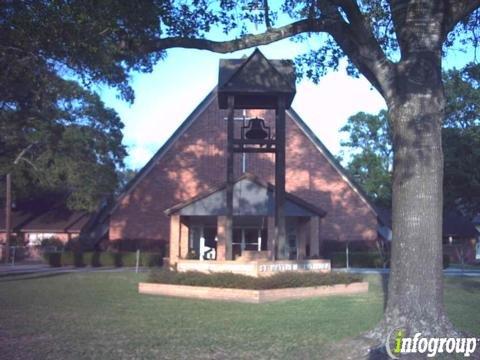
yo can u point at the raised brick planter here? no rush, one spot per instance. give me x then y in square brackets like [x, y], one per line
[250, 296]
[255, 268]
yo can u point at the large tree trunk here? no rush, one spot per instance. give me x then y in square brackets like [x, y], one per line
[415, 291]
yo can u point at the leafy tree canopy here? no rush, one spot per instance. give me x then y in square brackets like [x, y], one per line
[73, 142]
[371, 151]
[53, 52]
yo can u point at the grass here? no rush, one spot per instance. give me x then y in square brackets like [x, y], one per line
[101, 316]
[465, 266]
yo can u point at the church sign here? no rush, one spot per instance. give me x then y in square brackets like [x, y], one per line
[255, 268]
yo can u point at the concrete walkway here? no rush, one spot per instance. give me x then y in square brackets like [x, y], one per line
[21, 269]
[447, 272]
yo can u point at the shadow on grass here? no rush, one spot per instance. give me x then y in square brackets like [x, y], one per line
[467, 284]
[30, 276]
[384, 280]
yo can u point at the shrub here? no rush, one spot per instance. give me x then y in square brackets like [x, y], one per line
[106, 258]
[95, 259]
[192, 255]
[446, 261]
[368, 259]
[154, 259]
[237, 281]
[51, 244]
[117, 259]
[54, 259]
[78, 259]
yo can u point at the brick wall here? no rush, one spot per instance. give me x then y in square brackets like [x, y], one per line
[196, 162]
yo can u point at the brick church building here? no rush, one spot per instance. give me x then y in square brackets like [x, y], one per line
[187, 173]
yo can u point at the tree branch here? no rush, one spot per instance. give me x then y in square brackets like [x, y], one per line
[457, 10]
[398, 9]
[357, 41]
[248, 41]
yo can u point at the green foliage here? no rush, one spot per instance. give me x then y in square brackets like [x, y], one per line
[361, 259]
[54, 259]
[371, 164]
[370, 142]
[461, 171]
[446, 261]
[192, 255]
[236, 281]
[52, 53]
[51, 243]
[106, 258]
[124, 177]
[463, 97]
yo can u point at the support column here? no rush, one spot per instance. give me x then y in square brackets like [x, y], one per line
[183, 240]
[302, 239]
[280, 180]
[271, 236]
[229, 190]
[174, 239]
[314, 236]
[222, 238]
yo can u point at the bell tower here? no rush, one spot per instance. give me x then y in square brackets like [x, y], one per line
[257, 83]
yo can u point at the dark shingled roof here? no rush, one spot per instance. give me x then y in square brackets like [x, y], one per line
[256, 81]
[57, 220]
[295, 199]
[19, 218]
[53, 220]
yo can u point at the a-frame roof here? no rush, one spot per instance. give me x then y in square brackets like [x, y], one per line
[259, 203]
[255, 81]
[293, 115]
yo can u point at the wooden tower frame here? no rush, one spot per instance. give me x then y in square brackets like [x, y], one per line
[257, 83]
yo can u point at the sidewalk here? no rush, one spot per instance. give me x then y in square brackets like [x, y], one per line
[446, 272]
[44, 268]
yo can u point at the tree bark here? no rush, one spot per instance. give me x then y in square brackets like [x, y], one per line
[416, 108]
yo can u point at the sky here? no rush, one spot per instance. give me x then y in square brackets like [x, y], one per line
[165, 97]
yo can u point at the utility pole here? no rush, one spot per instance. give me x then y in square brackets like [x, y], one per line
[8, 201]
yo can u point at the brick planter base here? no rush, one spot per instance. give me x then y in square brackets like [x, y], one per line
[250, 296]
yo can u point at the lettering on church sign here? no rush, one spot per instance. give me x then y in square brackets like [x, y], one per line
[296, 266]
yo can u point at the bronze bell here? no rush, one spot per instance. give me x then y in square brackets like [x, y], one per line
[256, 130]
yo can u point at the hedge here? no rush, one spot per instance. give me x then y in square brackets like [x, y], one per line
[237, 281]
[104, 258]
[366, 259]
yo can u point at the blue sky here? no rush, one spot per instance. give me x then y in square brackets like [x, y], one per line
[165, 97]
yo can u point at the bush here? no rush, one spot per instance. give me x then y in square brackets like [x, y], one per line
[106, 258]
[367, 259]
[51, 244]
[117, 259]
[446, 261]
[95, 260]
[236, 281]
[154, 259]
[78, 259]
[54, 259]
[192, 255]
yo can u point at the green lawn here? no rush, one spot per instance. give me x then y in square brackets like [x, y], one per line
[101, 316]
